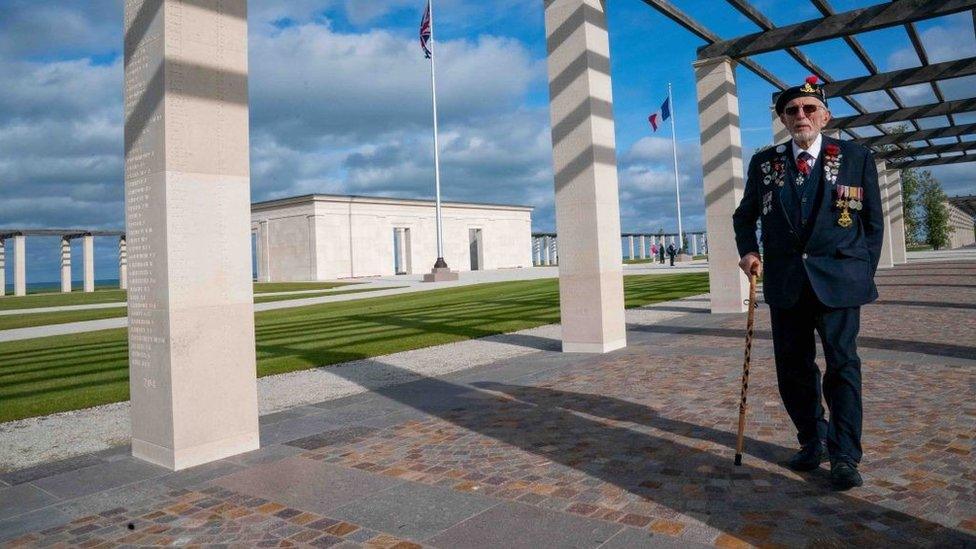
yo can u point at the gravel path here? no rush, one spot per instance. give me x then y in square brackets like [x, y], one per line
[32, 441]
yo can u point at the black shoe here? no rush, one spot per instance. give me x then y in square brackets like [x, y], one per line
[844, 476]
[809, 457]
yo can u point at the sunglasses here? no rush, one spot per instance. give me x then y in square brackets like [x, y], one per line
[793, 110]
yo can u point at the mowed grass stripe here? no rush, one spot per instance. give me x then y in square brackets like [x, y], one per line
[46, 375]
[54, 298]
[30, 320]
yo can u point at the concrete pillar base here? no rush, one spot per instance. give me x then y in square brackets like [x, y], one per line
[183, 458]
[682, 258]
[606, 347]
[440, 274]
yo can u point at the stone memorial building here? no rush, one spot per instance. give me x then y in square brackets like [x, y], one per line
[325, 237]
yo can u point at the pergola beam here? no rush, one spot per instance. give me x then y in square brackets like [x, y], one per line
[904, 77]
[901, 115]
[921, 135]
[959, 159]
[922, 151]
[696, 28]
[897, 12]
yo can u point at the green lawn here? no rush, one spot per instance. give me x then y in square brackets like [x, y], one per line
[57, 299]
[45, 375]
[54, 298]
[28, 320]
[267, 287]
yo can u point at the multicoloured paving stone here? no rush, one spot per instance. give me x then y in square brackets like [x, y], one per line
[632, 448]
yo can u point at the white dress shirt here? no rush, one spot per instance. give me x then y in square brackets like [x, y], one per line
[813, 151]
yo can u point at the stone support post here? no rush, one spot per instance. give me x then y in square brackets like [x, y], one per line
[123, 265]
[546, 251]
[88, 262]
[264, 252]
[555, 250]
[591, 293]
[780, 133]
[20, 265]
[643, 247]
[899, 254]
[3, 267]
[694, 245]
[192, 375]
[65, 265]
[630, 243]
[887, 258]
[721, 144]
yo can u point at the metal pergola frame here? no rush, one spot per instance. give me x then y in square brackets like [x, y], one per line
[892, 145]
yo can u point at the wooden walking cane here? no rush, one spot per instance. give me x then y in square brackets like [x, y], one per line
[740, 441]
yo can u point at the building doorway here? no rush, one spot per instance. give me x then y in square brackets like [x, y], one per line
[477, 254]
[401, 251]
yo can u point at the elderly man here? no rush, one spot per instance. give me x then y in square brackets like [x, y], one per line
[820, 206]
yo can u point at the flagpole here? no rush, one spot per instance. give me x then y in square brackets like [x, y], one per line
[677, 186]
[440, 263]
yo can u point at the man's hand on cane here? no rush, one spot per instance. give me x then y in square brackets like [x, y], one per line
[751, 264]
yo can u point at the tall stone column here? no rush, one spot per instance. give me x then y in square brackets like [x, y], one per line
[264, 252]
[123, 264]
[694, 245]
[20, 265]
[630, 244]
[780, 133]
[313, 261]
[591, 293]
[721, 144]
[555, 250]
[546, 252]
[3, 267]
[899, 254]
[887, 258]
[65, 265]
[88, 262]
[643, 247]
[536, 255]
[191, 316]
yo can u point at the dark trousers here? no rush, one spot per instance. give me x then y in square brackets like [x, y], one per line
[799, 377]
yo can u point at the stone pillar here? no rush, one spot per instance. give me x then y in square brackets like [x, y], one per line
[536, 256]
[20, 265]
[397, 250]
[264, 252]
[65, 265]
[88, 262]
[721, 144]
[313, 263]
[780, 133]
[643, 247]
[630, 242]
[191, 317]
[585, 166]
[694, 245]
[547, 252]
[555, 250]
[887, 259]
[898, 252]
[123, 265]
[3, 267]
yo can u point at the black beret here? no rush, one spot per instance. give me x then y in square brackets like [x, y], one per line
[808, 89]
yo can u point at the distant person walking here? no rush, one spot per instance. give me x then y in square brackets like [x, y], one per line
[653, 251]
[671, 253]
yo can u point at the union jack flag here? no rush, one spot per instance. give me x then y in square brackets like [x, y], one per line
[425, 32]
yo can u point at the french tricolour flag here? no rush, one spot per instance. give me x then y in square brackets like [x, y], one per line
[661, 115]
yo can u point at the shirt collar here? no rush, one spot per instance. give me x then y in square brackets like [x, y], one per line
[813, 151]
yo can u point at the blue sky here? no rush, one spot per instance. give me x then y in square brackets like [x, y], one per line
[340, 103]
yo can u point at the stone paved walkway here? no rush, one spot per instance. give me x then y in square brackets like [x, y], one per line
[633, 448]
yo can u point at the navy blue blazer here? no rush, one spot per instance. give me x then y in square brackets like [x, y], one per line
[840, 262]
